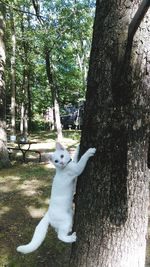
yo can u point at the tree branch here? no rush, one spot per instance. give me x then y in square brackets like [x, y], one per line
[121, 80]
[133, 26]
[22, 11]
[137, 19]
[37, 10]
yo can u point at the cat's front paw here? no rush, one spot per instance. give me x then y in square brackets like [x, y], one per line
[91, 151]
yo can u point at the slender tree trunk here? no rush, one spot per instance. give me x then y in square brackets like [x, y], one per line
[81, 61]
[4, 159]
[13, 78]
[24, 107]
[25, 85]
[26, 123]
[57, 119]
[113, 192]
[25, 112]
[29, 105]
[22, 118]
[2, 67]
[56, 116]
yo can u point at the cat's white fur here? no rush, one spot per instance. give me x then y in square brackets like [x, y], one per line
[60, 211]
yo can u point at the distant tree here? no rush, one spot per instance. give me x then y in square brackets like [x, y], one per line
[4, 159]
[54, 93]
[13, 75]
[25, 83]
[113, 192]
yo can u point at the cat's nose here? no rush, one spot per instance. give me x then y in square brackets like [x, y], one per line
[61, 163]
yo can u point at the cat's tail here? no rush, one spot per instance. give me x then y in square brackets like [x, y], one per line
[38, 236]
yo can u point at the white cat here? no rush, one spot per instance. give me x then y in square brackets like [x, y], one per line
[60, 211]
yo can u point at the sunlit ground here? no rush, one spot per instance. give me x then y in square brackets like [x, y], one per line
[45, 143]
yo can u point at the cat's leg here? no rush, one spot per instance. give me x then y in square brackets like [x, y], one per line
[63, 236]
[76, 155]
[83, 160]
[75, 159]
[63, 231]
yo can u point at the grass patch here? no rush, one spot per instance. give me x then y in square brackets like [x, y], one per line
[75, 135]
[46, 136]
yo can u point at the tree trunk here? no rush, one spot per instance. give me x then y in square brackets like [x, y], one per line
[4, 159]
[57, 122]
[112, 194]
[26, 98]
[30, 114]
[24, 106]
[13, 78]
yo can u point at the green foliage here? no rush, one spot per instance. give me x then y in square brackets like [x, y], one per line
[65, 28]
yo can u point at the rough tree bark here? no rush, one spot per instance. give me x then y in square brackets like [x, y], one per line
[112, 194]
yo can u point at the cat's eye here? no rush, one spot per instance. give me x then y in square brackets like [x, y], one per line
[56, 161]
[62, 156]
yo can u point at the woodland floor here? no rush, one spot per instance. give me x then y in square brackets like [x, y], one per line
[24, 196]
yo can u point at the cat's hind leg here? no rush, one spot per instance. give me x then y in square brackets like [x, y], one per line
[63, 236]
[63, 231]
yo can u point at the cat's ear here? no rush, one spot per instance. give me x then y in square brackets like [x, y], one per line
[59, 146]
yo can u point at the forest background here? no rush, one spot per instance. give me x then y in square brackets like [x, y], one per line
[47, 46]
